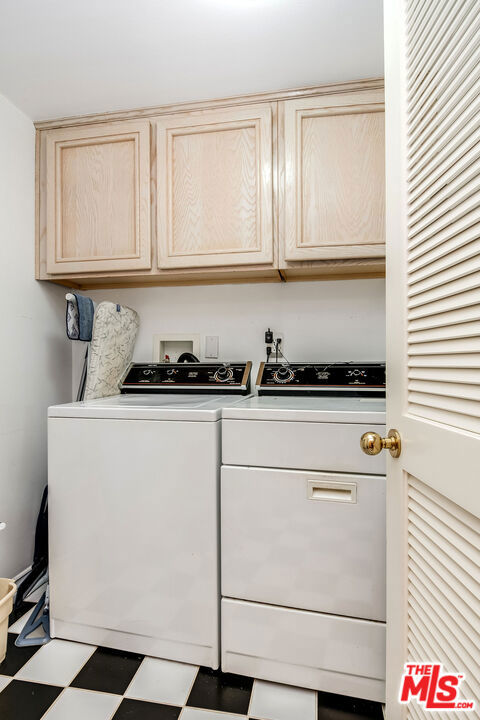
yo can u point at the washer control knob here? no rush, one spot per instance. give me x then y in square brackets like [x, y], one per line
[283, 375]
[223, 374]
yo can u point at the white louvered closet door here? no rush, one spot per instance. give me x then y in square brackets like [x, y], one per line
[432, 82]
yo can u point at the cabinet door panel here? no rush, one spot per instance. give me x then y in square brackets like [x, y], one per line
[98, 198]
[334, 179]
[215, 188]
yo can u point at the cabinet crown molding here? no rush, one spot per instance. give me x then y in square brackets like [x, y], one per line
[148, 112]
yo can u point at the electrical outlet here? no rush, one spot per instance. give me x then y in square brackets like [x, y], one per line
[281, 349]
[276, 336]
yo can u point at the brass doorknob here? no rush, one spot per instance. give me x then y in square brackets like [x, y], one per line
[372, 443]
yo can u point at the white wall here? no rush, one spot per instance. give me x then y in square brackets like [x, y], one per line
[125, 54]
[332, 320]
[35, 368]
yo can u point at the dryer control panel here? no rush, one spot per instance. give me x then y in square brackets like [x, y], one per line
[229, 377]
[333, 378]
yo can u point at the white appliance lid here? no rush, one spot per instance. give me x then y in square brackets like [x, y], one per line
[155, 406]
[309, 409]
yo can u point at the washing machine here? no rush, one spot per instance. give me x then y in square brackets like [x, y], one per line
[303, 530]
[134, 511]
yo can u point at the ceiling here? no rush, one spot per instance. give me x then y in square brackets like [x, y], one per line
[70, 57]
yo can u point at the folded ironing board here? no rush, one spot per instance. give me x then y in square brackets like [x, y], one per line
[114, 333]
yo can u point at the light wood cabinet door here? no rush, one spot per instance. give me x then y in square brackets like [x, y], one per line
[98, 198]
[334, 199]
[214, 182]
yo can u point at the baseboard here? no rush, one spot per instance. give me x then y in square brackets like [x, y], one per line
[21, 574]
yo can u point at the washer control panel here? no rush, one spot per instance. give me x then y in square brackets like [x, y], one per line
[334, 378]
[231, 377]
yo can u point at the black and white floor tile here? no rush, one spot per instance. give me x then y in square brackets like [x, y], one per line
[64, 680]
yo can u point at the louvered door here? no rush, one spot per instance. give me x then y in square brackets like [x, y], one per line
[432, 82]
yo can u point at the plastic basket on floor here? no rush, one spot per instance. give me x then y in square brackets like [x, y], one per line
[7, 591]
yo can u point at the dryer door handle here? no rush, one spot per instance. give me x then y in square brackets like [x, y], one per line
[329, 491]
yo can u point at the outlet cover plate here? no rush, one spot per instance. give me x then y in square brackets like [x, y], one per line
[211, 346]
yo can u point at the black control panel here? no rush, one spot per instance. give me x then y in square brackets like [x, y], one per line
[334, 378]
[187, 378]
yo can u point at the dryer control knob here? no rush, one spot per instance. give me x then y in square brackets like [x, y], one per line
[283, 375]
[223, 374]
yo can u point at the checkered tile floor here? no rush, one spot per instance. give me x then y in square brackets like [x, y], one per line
[72, 681]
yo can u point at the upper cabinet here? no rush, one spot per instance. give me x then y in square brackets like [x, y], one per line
[275, 186]
[334, 194]
[214, 188]
[97, 186]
